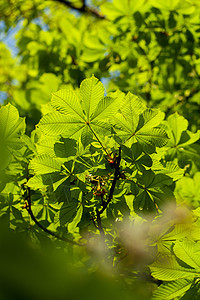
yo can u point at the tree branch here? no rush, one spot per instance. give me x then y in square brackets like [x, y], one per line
[28, 207]
[83, 9]
[112, 189]
[99, 225]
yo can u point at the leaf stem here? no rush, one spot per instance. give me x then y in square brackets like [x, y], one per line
[108, 154]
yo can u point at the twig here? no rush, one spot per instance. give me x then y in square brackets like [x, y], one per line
[112, 189]
[83, 9]
[30, 212]
[93, 221]
[99, 225]
[105, 203]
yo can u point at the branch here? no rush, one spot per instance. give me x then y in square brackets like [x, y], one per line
[30, 212]
[83, 9]
[99, 225]
[112, 189]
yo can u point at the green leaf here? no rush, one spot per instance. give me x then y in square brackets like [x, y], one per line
[68, 212]
[117, 8]
[128, 115]
[105, 109]
[154, 192]
[135, 156]
[185, 250]
[179, 232]
[178, 125]
[154, 137]
[45, 145]
[188, 190]
[11, 124]
[188, 138]
[44, 164]
[149, 119]
[189, 154]
[81, 113]
[166, 268]
[170, 169]
[72, 226]
[193, 293]
[86, 136]
[11, 127]
[134, 123]
[179, 136]
[91, 92]
[65, 148]
[68, 103]
[55, 124]
[171, 290]
[143, 203]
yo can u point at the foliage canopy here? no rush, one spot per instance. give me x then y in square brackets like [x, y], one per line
[100, 153]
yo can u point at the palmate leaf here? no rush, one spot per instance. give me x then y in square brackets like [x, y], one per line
[12, 127]
[44, 164]
[10, 198]
[134, 123]
[68, 211]
[43, 211]
[128, 117]
[44, 181]
[186, 251]
[72, 225]
[179, 232]
[143, 203]
[45, 145]
[135, 156]
[178, 133]
[170, 169]
[68, 103]
[81, 113]
[178, 124]
[149, 119]
[188, 189]
[167, 268]
[147, 201]
[171, 290]
[153, 192]
[55, 124]
[91, 92]
[9, 192]
[65, 148]
[154, 137]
